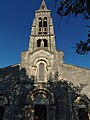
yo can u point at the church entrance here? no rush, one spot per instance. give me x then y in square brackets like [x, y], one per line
[40, 112]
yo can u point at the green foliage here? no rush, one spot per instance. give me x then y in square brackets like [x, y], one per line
[76, 7]
[83, 47]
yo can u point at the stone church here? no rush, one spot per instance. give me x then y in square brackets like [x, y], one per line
[42, 86]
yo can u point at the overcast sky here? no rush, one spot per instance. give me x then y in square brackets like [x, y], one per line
[16, 18]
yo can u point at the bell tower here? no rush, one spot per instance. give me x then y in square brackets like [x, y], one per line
[42, 33]
[42, 58]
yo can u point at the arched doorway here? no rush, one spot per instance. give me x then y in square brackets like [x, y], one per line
[81, 109]
[42, 105]
[40, 112]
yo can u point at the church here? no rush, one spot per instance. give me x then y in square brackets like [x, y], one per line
[42, 86]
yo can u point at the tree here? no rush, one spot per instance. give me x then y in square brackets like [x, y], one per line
[76, 7]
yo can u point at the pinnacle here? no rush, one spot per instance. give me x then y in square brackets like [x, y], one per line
[43, 5]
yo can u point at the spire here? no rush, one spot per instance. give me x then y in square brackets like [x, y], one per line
[43, 5]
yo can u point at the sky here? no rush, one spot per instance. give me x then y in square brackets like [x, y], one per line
[16, 18]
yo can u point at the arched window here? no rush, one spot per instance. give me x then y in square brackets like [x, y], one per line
[45, 25]
[41, 72]
[40, 22]
[45, 22]
[40, 26]
[82, 109]
[38, 43]
[45, 43]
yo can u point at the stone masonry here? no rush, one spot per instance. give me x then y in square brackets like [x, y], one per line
[42, 81]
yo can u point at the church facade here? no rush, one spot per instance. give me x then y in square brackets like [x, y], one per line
[42, 86]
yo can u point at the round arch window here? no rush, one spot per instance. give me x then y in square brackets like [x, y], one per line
[41, 72]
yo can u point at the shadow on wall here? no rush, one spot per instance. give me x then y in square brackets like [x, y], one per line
[16, 87]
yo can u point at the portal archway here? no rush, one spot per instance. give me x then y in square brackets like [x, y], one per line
[81, 109]
[42, 104]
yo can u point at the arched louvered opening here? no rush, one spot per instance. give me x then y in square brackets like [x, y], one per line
[45, 25]
[40, 26]
[38, 43]
[45, 22]
[40, 22]
[45, 43]
[41, 72]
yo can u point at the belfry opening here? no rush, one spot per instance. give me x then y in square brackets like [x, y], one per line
[40, 112]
